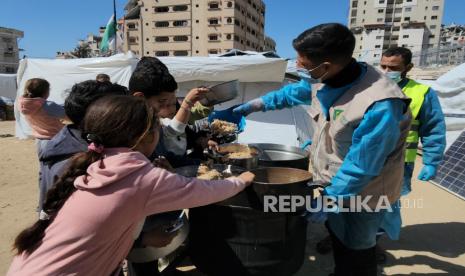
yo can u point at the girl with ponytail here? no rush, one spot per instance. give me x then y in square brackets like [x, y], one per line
[91, 214]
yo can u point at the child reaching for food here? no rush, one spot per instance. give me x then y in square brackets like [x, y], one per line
[91, 213]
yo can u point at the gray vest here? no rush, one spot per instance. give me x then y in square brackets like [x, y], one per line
[332, 139]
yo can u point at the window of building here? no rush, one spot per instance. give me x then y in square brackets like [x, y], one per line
[408, 9]
[435, 8]
[197, 21]
[229, 20]
[379, 37]
[354, 4]
[432, 27]
[431, 36]
[213, 51]
[398, 10]
[131, 26]
[406, 18]
[353, 20]
[248, 43]
[381, 1]
[408, 1]
[236, 38]
[180, 38]
[213, 21]
[213, 37]
[380, 20]
[162, 24]
[434, 17]
[213, 6]
[405, 36]
[396, 29]
[196, 37]
[237, 22]
[381, 11]
[180, 23]
[162, 9]
[180, 8]
[228, 36]
[132, 40]
[376, 55]
[146, 24]
[162, 39]
[353, 13]
[237, 7]
[229, 4]
[180, 53]
[162, 53]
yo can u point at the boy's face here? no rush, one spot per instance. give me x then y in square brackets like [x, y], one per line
[165, 103]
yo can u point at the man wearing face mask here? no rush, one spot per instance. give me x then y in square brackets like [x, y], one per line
[361, 121]
[427, 124]
[428, 120]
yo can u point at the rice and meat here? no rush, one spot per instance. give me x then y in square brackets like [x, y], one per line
[222, 127]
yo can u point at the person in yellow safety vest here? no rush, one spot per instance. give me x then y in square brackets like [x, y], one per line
[428, 125]
[428, 120]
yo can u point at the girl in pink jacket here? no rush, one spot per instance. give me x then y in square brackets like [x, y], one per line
[91, 214]
[42, 116]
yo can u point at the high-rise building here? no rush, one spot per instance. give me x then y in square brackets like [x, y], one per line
[380, 24]
[452, 44]
[194, 27]
[9, 50]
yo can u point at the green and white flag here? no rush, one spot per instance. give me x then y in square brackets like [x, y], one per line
[109, 35]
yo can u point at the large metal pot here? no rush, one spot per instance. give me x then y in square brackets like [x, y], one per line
[276, 182]
[276, 155]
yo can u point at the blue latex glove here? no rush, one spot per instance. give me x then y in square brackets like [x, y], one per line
[229, 116]
[306, 144]
[250, 107]
[427, 173]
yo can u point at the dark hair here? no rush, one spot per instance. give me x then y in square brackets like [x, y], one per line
[35, 88]
[112, 121]
[84, 93]
[405, 53]
[151, 77]
[331, 41]
[102, 77]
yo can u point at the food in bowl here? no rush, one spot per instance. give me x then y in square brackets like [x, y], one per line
[238, 151]
[206, 173]
[221, 127]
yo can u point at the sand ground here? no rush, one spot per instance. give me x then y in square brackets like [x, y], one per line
[432, 241]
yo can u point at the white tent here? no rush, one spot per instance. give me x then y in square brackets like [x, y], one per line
[257, 75]
[451, 92]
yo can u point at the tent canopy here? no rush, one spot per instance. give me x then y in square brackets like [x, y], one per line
[257, 75]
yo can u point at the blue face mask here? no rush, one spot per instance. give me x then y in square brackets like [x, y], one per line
[394, 75]
[305, 74]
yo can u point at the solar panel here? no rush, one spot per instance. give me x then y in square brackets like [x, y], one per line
[451, 172]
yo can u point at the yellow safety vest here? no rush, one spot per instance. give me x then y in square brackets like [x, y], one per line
[416, 91]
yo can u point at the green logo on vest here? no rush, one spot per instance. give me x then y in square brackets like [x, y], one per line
[336, 113]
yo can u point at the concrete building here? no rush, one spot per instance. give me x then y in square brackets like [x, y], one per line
[380, 24]
[195, 27]
[9, 50]
[452, 44]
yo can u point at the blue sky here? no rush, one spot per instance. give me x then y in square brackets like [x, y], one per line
[56, 25]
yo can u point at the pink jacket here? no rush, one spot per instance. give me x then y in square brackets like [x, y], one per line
[43, 125]
[93, 232]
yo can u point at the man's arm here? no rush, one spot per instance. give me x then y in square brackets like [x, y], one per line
[432, 129]
[373, 140]
[290, 95]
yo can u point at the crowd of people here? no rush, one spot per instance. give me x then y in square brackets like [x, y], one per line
[107, 156]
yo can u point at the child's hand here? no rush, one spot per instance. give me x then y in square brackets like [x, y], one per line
[161, 162]
[212, 145]
[247, 177]
[196, 94]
